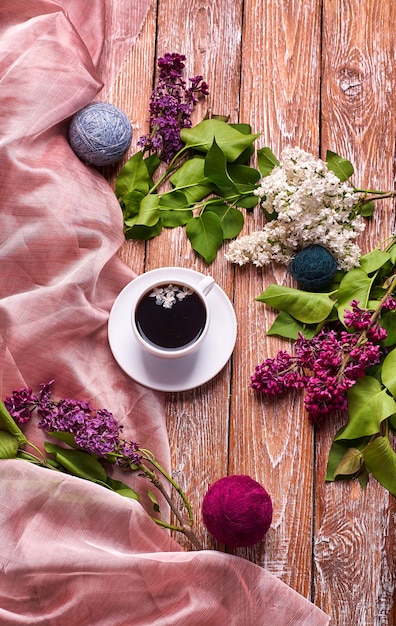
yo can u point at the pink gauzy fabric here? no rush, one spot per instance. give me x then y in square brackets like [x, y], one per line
[71, 552]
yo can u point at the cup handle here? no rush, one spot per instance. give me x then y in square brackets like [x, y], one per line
[206, 284]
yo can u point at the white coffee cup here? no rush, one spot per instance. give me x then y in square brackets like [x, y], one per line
[171, 317]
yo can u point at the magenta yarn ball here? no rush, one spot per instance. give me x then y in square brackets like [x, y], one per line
[237, 511]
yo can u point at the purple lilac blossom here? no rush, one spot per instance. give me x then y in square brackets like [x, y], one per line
[21, 405]
[390, 303]
[361, 319]
[171, 106]
[95, 430]
[274, 376]
[326, 366]
[357, 318]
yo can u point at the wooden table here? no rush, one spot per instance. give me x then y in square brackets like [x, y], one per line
[318, 74]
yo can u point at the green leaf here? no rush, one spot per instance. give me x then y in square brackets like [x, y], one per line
[78, 463]
[244, 157]
[388, 372]
[369, 405]
[367, 209]
[247, 202]
[134, 176]
[363, 477]
[205, 234]
[374, 260]
[8, 424]
[190, 178]
[355, 285]
[231, 219]
[174, 209]
[65, 437]
[381, 461]
[392, 423]
[388, 321]
[149, 212]
[230, 141]
[25, 456]
[338, 450]
[173, 200]
[152, 163]
[175, 217]
[377, 293]
[8, 445]
[215, 168]
[122, 489]
[243, 175]
[351, 464]
[266, 161]
[245, 129]
[287, 326]
[154, 500]
[147, 223]
[305, 306]
[342, 168]
[128, 493]
[131, 204]
[142, 232]
[392, 254]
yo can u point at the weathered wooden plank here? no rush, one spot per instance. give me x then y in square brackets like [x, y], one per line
[355, 530]
[209, 35]
[271, 440]
[128, 82]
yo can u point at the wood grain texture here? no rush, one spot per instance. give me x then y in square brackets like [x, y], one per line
[355, 530]
[133, 67]
[198, 421]
[319, 74]
[272, 440]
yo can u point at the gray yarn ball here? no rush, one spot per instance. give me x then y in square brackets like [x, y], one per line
[100, 134]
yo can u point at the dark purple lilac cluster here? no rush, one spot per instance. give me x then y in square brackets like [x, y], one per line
[171, 106]
[327, 365]
[95, 430]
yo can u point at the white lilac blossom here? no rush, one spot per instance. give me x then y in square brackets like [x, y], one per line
[167, 296]
[306, 203]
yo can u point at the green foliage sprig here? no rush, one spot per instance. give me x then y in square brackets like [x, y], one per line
[210, 182]
[69, 458]
[206, 185]
[363, 445]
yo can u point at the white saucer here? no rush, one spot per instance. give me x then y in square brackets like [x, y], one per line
[177, 374]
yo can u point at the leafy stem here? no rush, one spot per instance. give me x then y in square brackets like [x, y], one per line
[40, 458]
[375, 192]
[183, 528]
[85, 462]
[211, 170]
[149, 457]
[376, 195]
[169, 170]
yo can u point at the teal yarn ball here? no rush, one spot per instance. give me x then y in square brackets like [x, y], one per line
[237, 511]
[313, 268]
[100, 134]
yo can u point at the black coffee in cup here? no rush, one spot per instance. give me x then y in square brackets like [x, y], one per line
[170, 316]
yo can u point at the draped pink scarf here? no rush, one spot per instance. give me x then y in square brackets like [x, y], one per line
[70, 551]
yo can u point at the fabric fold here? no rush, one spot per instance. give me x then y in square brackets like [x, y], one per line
[73, 553]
